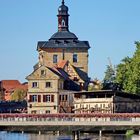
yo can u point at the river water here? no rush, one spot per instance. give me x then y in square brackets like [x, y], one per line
[19, 136]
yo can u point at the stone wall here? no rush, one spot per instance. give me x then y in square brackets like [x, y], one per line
[68, 55]
[41, 86]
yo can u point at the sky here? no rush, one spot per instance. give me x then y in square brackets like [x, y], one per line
[110, 26]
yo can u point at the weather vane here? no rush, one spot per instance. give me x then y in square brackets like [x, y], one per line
[63, 2]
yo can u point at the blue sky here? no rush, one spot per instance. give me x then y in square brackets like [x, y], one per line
[110, 26]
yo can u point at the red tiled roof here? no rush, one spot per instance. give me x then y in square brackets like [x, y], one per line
[24, 87]
[62, 64]
[10, 85]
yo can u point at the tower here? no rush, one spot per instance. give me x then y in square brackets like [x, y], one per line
[64, 45]
[63, 17]
[62, 66]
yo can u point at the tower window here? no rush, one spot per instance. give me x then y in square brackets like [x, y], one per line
[63, 23]
[55, 58]
[75, 60]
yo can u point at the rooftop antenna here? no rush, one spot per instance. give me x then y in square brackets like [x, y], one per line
[110, 63]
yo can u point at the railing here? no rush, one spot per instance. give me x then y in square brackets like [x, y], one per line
[70, 117]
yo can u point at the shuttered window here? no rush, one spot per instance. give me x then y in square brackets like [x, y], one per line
[44, 98]
[39, 98]
[52, 98]
[34, 98]
[48, 98]
[30, 98]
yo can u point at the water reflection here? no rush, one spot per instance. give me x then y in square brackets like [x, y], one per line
[19, 136]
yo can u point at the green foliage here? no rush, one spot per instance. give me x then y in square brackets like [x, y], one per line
[95, 85]
[128, 72]
[129, 133]
[18, 95]
[90, 88]
[109, 74]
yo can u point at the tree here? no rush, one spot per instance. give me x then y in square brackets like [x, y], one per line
[128, 72]
[109, 74]
[109, 79]
[95, 85]
[18, 95]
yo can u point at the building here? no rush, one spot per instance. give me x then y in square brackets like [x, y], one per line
[62, 69]
[7, 87]
[106, 101]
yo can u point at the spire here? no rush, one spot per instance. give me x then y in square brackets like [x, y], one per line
[63, 2]
[63, 17]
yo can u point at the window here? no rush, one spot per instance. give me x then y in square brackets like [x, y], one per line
[34, 85]
[48, 111]
[39, 98]
[63, 23]
[66, 97]
[59, 97]
[63, 97]
[48, 84]
[48, 98]
[96, 106]
[34, 98]
[54, 58]
[60, 85]
[43, 72]
[75, 58]
[54, 107]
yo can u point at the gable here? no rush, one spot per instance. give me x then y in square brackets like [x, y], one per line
[43, 72]
[73, 73]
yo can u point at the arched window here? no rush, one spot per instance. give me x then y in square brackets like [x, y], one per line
[63, 23]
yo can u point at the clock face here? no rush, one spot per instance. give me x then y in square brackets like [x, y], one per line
[59, 9]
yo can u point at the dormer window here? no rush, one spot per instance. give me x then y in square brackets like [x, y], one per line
[57, 42]
[66, 42]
